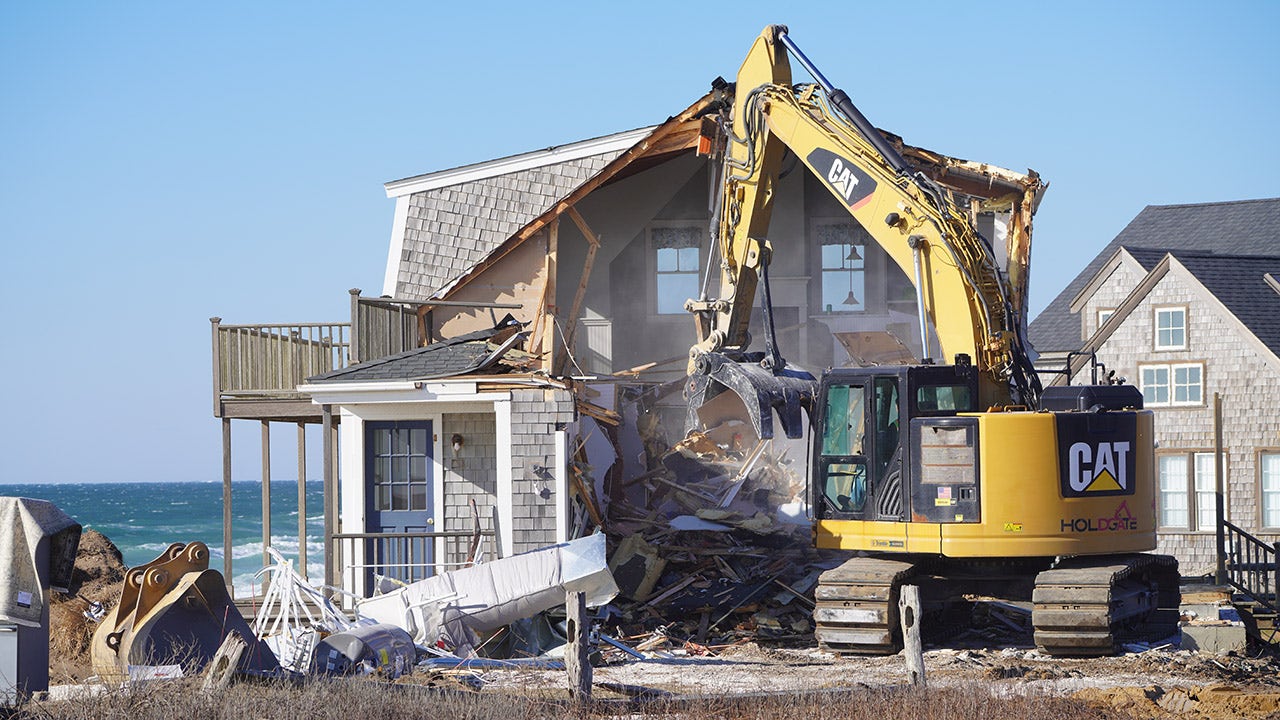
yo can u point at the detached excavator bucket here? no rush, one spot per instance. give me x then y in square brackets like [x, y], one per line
[174, 611]
[787, 392]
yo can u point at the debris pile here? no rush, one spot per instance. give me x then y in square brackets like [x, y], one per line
[710, 539]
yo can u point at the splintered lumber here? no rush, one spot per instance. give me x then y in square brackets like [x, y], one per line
[223, 666]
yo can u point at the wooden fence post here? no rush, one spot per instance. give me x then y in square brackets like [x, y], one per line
[577, 660]
[909, 613]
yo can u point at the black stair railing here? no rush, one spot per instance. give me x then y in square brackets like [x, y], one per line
[1253, 566]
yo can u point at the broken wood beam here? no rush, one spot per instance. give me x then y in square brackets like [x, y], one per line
[222, 669]
[593, 244]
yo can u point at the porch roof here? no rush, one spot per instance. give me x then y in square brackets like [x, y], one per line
[448, 358]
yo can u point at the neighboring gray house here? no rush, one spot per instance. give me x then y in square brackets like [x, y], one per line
[1185, 304]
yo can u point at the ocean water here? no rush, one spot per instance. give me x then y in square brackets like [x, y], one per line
[142, 519]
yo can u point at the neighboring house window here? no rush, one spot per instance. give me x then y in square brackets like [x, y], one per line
[1205, 487]
[677, 251]
[1104, 316]
[1171, 328]
[1187, 491]
[1174, 505]
[1173, 384]
[1269, 463]
[843, 267]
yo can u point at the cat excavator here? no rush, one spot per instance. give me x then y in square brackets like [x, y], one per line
[958, 473]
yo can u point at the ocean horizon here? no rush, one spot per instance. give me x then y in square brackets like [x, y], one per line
[144, 518]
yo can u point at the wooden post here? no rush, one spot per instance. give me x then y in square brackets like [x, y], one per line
[577, 660]
[266, 491]
[353, 347]
[217, 366]
[330, 494]
[222, 669]
[549, 298]
[1219, 494]
[909, 613]
[302, 499]
[226, 500]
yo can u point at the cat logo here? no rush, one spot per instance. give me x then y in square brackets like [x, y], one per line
[849, 182]
[841, 178]
[1098, 454]
[1098, 468]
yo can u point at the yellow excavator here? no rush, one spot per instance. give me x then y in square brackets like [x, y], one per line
[957, 473]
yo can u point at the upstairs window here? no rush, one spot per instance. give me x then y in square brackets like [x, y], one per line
[1172, 384]
[1171, 328]
[843, 267]
[677, 263]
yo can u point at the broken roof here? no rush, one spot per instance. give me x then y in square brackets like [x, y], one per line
[1241, 228]
[491, 350]
[458, 222]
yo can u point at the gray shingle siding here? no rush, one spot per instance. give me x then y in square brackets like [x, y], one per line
[1246, 227]
[450, 229]
[536, 415]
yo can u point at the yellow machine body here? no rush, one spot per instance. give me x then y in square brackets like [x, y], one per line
[1022, 511]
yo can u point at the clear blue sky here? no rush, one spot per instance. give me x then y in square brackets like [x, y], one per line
[162, 163]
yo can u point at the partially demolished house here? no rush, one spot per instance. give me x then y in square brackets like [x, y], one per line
[519, 382]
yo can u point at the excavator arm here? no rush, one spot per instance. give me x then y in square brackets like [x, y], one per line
[975, 310]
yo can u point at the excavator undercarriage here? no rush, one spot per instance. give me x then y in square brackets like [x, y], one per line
[1083, 606]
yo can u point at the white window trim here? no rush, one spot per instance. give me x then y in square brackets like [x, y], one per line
[1170, 368]
[1155, 328]
[1102, 316]
[1262, 515]
[1193, 505]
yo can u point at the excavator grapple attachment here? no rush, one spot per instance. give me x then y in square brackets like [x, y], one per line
[764, 392]
[173, 610]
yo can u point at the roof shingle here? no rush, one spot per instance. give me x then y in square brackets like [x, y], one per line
[1244, 227]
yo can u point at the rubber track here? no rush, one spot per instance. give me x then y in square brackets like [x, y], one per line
[1086, 606]
[857, 606]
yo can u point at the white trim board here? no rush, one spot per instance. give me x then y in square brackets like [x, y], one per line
[515, 163]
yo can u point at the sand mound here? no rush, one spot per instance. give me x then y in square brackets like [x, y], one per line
[1216, 702]
[98, 577]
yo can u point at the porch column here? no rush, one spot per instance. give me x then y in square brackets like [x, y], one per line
[330, 495]
[302, 499]
[266, 491]
[226, 500]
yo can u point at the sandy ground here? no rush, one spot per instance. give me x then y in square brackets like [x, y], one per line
[1156, 683]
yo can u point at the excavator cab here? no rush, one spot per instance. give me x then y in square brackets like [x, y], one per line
[861, 451]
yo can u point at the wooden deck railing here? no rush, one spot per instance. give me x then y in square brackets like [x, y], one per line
[273, 359]
[270, 360]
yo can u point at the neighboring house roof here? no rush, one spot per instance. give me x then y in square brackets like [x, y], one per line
[464, 354]
[1245, 227]
[1246, 286]
[448, 221]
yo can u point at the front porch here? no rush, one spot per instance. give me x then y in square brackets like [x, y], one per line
[257, 370]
